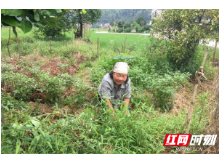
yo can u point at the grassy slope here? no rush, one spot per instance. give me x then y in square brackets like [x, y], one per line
[143, 132]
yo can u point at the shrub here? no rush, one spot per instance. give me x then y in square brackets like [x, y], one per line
[52, 87]
[163, 87]
[26, 88]
[19, 85]
[128, 30]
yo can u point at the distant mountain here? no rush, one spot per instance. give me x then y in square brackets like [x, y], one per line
[111, 15]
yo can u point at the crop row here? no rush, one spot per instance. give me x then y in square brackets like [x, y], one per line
[31, 84]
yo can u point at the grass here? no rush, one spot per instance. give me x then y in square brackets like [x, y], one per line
[28, 44]
[109, 40]
[5, 33]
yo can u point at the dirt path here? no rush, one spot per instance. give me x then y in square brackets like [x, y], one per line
[104, 32]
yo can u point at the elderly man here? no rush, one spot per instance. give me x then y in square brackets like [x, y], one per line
[115, 86]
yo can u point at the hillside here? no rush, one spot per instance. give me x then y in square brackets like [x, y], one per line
[110, 15]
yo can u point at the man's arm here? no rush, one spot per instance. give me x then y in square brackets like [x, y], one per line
[110, 105]
[127, 101]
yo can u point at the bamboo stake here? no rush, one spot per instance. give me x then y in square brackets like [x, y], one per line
[98, 45]
[8, 44]
[18, 43]
[50, 49]
[199, 74]
[191, 107]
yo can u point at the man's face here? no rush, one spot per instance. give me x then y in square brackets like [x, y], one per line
[119, 78]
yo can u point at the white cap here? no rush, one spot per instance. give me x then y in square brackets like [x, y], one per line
[121, 67]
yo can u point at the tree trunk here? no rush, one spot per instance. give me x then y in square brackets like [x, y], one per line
[80, 25]
[81, 30]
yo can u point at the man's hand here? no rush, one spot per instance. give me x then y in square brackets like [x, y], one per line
[110, 105]
[126, 100]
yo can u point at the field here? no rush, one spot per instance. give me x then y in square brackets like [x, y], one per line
[109, 40]
[49, 95]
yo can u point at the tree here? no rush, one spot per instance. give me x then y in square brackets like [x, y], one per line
[136, 26]
[121, 25]
[82, 16]
[25, 18]
[127, 27]
[55, 26]
[141, 21]
[184, 29]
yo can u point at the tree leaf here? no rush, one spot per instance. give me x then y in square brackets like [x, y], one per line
[26, 25]
[14, 12]
[36, 16]
[58, 10]
[4, 11]
[84, 11]
[39, 24]
[46, 12]
[50, 12]
[10, 20]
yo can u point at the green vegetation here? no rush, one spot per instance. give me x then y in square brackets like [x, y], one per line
[49, 95]
[185, 29]
[125, 20]
[27, 17]
[138, 25]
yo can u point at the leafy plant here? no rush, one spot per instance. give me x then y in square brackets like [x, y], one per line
[164, 87]
[28, 17]
[20, 85]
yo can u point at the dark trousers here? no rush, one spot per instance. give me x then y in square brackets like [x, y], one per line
[99, 97]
